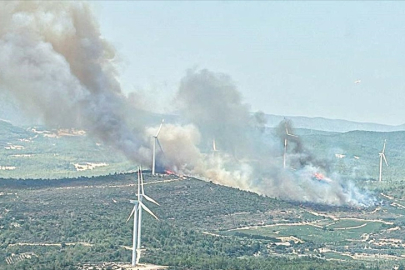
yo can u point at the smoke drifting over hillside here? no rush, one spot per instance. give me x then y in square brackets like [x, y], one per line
[56, 64]
[212, 102]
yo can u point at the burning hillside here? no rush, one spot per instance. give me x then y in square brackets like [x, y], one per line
[58, 66]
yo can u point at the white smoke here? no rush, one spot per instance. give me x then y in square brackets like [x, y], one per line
[56, 64]
[180, 153]
[307, 184]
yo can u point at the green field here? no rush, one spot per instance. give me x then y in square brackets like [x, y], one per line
[36, 152]
[340, 233]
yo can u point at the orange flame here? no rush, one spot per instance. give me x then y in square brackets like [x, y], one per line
[319, 176]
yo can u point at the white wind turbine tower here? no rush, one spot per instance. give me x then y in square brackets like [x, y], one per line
[137, 212]
[382, 156]
[156, 140]
[286, 142]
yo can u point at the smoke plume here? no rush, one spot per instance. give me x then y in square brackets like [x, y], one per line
[58, 67]
[252, 158]
[211, 102]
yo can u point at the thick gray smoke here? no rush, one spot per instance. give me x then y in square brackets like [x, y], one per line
[298, 156]
[58, 67]
[307, 178]
[212, 102]
[56, 64]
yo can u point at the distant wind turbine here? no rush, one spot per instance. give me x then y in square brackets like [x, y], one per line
[156, 140]
[382, 156]
[137, 212]
[286, 142]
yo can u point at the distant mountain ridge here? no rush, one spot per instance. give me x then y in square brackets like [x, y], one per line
[314, 123]
[331, 125]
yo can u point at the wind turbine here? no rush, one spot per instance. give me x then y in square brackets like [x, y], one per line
[135, 257]
[156, 140]
[382, 156]
[286, 142]
[137, 212]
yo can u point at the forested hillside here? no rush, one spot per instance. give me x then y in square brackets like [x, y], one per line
[65, 224]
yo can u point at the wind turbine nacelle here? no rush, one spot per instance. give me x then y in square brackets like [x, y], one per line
[133, 201]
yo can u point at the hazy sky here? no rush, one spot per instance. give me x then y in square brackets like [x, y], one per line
[287, 58]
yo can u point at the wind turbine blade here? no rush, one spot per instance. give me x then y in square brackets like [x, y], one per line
[150, 199]
[286, 129]
[157, 133]
[147, 210]
[160, 146]
[161, 149]
[384, 146]
[385, 159]
[142, 191]
[132, 212]
[139, 183]
[289, 134]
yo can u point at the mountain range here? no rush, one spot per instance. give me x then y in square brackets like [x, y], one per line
[331, 125]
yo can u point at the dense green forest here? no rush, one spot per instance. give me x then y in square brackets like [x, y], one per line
[63, 224]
